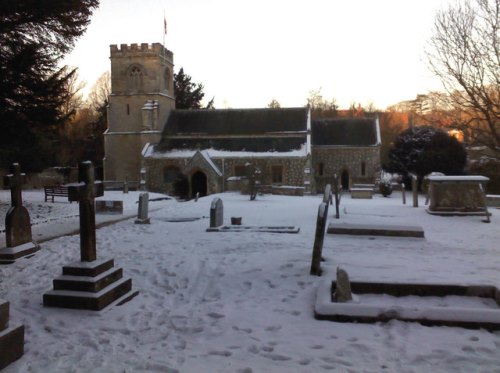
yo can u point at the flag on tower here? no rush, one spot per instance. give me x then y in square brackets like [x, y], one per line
[164, 24]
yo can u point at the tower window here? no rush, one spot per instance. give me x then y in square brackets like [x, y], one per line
[363, 169]
[135, 77]
[128, 109]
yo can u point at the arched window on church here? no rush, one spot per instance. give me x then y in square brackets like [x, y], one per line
[321, 169]
[135, 77]
[363, 168]
[168, 79]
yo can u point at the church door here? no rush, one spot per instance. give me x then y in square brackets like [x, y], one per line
[199, 184]
[344, 180]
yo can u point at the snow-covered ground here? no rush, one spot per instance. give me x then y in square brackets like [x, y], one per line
[243, 302]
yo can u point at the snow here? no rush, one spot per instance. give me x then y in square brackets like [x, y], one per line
[214, 153]
[459, 178]
[244, 301]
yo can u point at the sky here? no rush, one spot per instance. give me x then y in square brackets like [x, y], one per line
[248, 52]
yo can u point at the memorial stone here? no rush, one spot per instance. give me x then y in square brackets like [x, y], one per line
[403, 193]
[337, 196]
[91, 284]
[216, 213]
[18, 235]
[343, 291]
[318, 239]
[414, 190]
[142, 214]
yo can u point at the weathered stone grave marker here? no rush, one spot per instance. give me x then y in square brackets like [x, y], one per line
[17, 221]
[216, 213]
[11, 337]
[414, 190]
[90, 284]
[337, 196]
[403, 193]
[343, 291]
[142, 213]
[318, 239]
[327, 196]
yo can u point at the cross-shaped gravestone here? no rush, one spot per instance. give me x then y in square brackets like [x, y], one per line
[17, 220]
[85, 192]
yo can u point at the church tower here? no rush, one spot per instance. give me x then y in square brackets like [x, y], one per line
[142, 96]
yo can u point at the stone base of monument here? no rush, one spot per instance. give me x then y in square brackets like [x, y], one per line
[90, 286]
[11, 254]
[142, 221]
[243, 228]
[470, 306]
[376, 230]
[11, 338]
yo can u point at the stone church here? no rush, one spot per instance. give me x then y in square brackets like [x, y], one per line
[185, 152]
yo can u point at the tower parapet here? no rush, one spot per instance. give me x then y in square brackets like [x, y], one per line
[139, 50]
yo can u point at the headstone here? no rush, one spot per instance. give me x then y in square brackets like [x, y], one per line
[197, 196]
[11, 337]
[85, 192]
[17, 221]
[91, 284]
[414, 190]
[343, 291]
[318, 239]
[403, 193]
[125, 187]
[216, 213]
[327, 195]
[337, 196]
[142, 182]
[142, 214]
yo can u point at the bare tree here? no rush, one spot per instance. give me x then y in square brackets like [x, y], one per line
[321, 107]
[98, 96]
[465, 54]
[274, 104]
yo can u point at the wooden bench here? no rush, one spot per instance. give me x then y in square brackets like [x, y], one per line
[55, 191]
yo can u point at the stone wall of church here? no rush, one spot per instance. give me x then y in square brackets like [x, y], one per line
[291, 171]
[361, 163]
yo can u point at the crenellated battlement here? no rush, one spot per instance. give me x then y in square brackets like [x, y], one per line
[138, 50]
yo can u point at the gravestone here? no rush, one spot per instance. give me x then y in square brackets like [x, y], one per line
[142, 213]
[318, 239]
[90, 284]
[327, 196]
[17, 221]
[414, 190]
[125, 187]
[337, 196]
[343, 291]
[11, 337]
[216, 213]
[403, 193]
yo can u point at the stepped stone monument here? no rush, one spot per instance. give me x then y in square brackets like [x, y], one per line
[11, 338]
[17, 221]
[91, 283]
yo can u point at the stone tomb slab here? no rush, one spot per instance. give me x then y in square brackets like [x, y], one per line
[478, 305]
[376, 230]
[242, 228]
[11, 337]
[362, 193]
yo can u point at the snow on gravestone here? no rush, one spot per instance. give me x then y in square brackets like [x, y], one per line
[216, 213]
